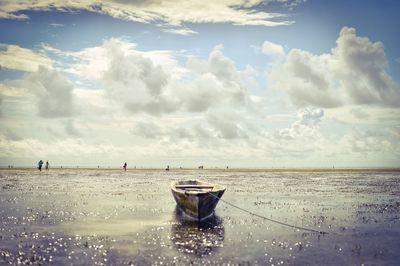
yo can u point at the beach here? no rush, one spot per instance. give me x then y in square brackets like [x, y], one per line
[116, 217]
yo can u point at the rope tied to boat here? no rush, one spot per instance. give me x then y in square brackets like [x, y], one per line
[269, 219]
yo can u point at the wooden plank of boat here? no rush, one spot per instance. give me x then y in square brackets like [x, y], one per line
[197, 199]
[193, 186]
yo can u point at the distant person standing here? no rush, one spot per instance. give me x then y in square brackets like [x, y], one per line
[47, 165]
[167, 169]
[125, 166]
[40, 163]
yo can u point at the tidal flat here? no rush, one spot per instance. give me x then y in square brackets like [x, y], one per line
[113, 217]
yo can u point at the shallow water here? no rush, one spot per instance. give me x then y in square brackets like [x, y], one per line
[78, 216]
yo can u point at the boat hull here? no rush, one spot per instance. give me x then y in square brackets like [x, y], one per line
[197, 205]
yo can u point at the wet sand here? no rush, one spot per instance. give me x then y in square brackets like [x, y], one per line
[112, 217]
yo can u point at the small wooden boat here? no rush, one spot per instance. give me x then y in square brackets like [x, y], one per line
[197, 199]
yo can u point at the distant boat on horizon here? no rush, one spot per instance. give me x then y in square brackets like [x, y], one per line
[197, 199]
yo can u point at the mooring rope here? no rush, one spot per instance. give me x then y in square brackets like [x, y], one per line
[271, 220]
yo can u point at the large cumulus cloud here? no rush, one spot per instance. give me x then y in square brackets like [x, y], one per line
[353, 73]
[217, 82]
[156, 83]
[137, 82]
[54, 93]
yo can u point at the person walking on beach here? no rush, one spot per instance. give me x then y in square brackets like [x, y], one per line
[40, 163]
[47, 165]
[125, 166]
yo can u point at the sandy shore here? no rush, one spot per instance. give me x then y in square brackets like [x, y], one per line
[108, 216]
[216, 169]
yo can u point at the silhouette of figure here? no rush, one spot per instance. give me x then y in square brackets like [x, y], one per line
[40, 163]
[167, 169]
[125, 166]
[47, 165]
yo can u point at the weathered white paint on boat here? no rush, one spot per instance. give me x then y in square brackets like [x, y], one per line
[194, 199]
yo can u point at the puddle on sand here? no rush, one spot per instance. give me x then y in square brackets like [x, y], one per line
[200, 239]
[115, 228]
[111, 217]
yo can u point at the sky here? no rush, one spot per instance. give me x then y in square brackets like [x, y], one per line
[238, 83]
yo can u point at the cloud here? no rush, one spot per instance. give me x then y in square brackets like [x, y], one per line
[132, 79]
[273, 50]
[310, 116]
[216, 82]
[305, 79]
[305, 128]
[137, 81]
[212, 128]
[203, 92]
[365, 115]
[11, 135]
[304, 139]
[360, 65]
[222, 67]
[71, 129]
[147, 129]
[56, 25]
[91, 63]
[369, 142]
[15, 102]
[124, 69]
[227, 127]
[353, 73]
[171, 13]
[53, 92]
[156, 83]
[359, 113]
[301, 141]
[180, 31]
[164, 131]
[19, 58]
[8, 15]
[69, 147]
[293, 4]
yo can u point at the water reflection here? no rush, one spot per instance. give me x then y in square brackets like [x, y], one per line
[200, 239]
